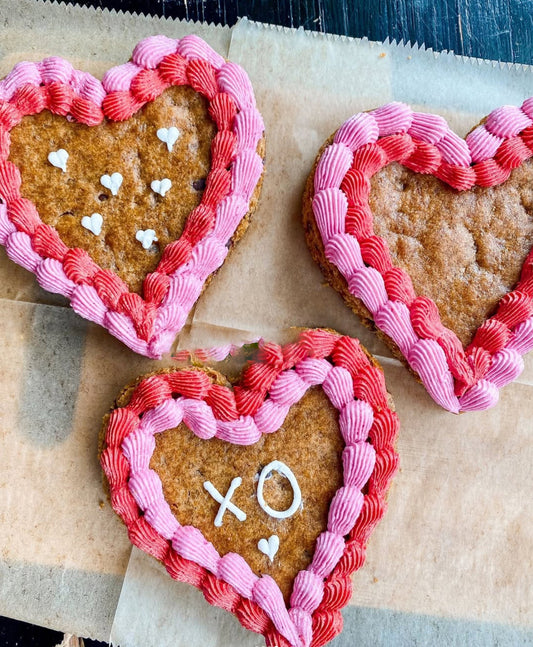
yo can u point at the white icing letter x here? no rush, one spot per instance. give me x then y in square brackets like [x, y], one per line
[225, 501]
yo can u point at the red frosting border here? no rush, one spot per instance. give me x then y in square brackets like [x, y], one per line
[61, 98]
[468, 365]
[245, 399]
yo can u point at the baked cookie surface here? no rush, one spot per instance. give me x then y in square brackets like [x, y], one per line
[311, 423]
[126, 195]
[428, 239]
[263, 492]
[132, 149]
[475, 242]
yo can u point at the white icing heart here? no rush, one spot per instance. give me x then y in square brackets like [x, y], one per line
[146, 237]
[169, 136]
[112, 182]
[161, 186]
[93, 223]
[269, 547]
[59, 159]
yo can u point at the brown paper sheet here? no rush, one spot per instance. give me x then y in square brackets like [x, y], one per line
[459, 529]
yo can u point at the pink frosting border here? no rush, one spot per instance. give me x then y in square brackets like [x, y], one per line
[425, 356]
[208, 254]
[355, 420]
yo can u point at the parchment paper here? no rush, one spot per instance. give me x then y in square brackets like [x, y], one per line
[456, 540]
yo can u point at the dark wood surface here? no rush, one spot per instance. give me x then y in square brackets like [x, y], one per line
[495, 29]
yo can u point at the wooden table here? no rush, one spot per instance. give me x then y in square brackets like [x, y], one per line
[497, 29]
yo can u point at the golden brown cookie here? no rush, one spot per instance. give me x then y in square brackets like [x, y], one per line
[125, 195]
[427, 237]
[261, 493]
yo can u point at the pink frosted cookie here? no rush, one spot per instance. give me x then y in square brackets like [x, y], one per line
[262, 494]
[126, 194]
[428, 238]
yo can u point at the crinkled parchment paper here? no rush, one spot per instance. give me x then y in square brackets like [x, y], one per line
[456, 540]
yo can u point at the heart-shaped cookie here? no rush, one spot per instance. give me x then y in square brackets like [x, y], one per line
[427, 236]
[167, 149]
[264, 494]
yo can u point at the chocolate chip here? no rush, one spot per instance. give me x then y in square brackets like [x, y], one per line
[199, 185]
[153, 249]
[103, 197]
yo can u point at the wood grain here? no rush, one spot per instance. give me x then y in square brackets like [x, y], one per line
[494, 29]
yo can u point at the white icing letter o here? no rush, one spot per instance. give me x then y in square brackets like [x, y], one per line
[281, 468]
